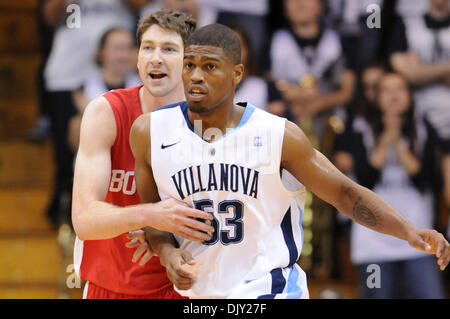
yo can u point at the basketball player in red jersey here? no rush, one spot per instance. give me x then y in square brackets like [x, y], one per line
[105, 202]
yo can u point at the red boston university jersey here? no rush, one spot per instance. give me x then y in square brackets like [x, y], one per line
[107, 263]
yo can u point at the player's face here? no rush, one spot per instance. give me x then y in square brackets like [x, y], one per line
[160, 60]
[209, 77]
[393, 95]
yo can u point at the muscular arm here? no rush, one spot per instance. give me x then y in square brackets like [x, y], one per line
[359, 203]
[92, 217]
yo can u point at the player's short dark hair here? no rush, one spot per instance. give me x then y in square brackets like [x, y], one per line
[179, 22]
[218, 35]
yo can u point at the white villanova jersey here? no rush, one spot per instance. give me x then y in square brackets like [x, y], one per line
[258, 236]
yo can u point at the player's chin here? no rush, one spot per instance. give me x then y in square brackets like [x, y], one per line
[159, 91]
[196, 107]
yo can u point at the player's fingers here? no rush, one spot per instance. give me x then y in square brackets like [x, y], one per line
[195, 213]
[198, 225]
[132, 243]
[184, 286]
[147, 256]
[421, 244]
[191, 234]
[440, 247]
[139, 251]
[445, 255]
[185, 273]
[184, 283]
[188, 258]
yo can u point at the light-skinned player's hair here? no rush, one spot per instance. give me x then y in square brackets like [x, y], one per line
[171, 20]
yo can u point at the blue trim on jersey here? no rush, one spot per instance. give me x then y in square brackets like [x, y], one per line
[170, 106]
[301, 225]
[184, 110]
[294, 291]
[249, 109]
[278, 284]
[286, 227]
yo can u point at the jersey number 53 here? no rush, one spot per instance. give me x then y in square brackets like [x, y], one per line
[233, 225]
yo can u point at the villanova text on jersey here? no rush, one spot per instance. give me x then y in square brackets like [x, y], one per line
[235, 178]
[220, 177]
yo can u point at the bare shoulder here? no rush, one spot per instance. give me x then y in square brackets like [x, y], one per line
[296, 144]
[294, 136]
[140, 135]
[98, 126]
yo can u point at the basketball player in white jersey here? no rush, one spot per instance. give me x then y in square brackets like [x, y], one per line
[226, 159]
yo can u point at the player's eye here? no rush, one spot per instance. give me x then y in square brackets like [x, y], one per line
[211, 67]
[188, 65]
[169, 49]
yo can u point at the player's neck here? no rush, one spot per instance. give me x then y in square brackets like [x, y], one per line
[224, 117]
[150, 102]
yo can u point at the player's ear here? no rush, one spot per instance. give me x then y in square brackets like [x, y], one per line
[238, 73]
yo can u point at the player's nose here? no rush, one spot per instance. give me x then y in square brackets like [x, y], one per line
[156, 57]
[197, 76]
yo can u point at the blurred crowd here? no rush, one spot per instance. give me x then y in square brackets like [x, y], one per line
[367, 80]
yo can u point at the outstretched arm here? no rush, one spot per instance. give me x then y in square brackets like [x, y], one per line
[317, 173]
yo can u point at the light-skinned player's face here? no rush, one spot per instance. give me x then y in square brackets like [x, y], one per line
[209, 77]
[160, 60]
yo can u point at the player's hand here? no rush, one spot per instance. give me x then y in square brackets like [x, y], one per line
[178, 263]
[137, 239]
[176, 217]
[432, 242]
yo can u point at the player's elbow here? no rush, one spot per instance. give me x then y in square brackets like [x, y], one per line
[79, 226]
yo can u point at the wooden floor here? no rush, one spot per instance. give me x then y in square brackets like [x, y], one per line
[32, 263]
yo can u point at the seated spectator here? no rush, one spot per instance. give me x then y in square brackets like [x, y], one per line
[254, 88]
[391, 155]
[420, 50]
[308, 64]
[115, 71]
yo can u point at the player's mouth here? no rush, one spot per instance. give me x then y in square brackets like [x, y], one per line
[197, 93]
[156, 75]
